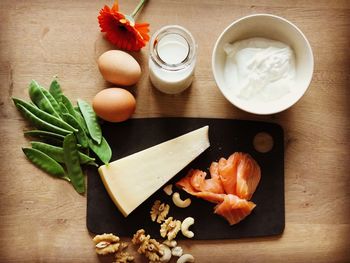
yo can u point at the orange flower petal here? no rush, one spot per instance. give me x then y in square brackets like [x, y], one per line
[120, 32]
[115, 6]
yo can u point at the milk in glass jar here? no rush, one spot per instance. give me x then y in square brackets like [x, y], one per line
[172, 59]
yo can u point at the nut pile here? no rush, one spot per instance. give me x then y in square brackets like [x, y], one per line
[170, 226]
[147, 246]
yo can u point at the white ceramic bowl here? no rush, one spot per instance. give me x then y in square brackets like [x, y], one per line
[271, 27]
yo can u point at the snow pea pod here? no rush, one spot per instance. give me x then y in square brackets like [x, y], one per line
[55, 90]
[39, 99]
[81, 120]
[48, 137]
[57, 153]
[52, 100]
[45, 163]
[41, 124]
[91, 121]
[102, 150]
[66, 102]
[44, 134]
[44, 115]
[81, 135]
[71, 159]
[31, 103]
[63, 108]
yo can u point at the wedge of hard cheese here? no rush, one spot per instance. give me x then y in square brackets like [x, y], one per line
[132, 179]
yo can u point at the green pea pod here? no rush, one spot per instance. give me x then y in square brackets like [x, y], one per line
[55, 90]
[44, 115]
[31, 103]
[63, 108]
[71, 159]
[49, 137]
[45, 163]
[102, 150]
[39, 99]
[57, 153]
[52, 100]
[81, 121]
[44, 134]
[81, 135]
[68, 105]
[41, 124]
[91, 121]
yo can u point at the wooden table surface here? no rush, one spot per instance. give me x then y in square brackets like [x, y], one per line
[43, 219]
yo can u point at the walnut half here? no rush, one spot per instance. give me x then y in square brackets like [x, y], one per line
[106, 244]
[159, 211]
[170, 228]
[147, 246]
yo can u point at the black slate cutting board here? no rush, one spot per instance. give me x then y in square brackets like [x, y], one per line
[226, 136]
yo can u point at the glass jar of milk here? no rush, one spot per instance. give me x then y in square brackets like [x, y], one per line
[172, 59]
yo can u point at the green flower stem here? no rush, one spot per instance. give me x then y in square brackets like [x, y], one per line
[138, 8]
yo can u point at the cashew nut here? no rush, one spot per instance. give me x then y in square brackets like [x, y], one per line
[168, 189]
[166, 253]
[179, 202]
[185, 258]
[177, 251]
[170, 243]
[188, 221]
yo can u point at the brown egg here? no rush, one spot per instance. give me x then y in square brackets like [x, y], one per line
[114, 104]
[119, 68]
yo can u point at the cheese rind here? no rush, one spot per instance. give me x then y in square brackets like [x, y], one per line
[131, 180]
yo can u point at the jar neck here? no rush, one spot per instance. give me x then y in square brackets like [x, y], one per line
[173, 60]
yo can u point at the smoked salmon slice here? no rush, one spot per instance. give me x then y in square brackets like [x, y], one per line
[240, 174]
[228, 171]
[185, 182]
[200, 183]
[248, 177]
[234, 209]
[231, 184]
[195, 184]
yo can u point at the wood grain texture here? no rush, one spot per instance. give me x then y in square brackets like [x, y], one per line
[42, 219]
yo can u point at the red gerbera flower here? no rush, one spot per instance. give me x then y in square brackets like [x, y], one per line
[121, 30]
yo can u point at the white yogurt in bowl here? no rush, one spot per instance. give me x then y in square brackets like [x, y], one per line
[262, 64]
